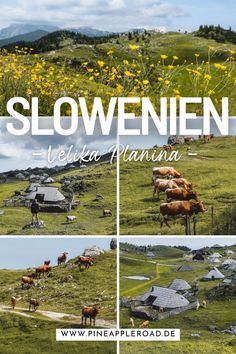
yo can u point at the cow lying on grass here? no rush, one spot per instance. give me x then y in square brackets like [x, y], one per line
[91, 313]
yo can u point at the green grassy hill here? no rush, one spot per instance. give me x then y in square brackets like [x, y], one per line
[213, 174]
[98, 179]
[159, 250]
[68, 290]
[108, 67]
[217, 313]
[34, 336]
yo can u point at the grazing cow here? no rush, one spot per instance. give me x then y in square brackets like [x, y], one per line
[188, 139]
[161, 185]
[180, 194]
[33, 275]
[185, 208]
[208, 138]
[91, 313]
[183, 182]
[167, 147]
[107, 212]
[144, 324]
[71, 218]
[13, 302]
[62, 259]
[165, 172]
[85, 261]
[204, 304]
[27, 281]
[47, 262]
[43, 269]
[34, 304]
[131, 321]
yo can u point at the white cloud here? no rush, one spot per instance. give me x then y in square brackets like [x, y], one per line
[106, 14]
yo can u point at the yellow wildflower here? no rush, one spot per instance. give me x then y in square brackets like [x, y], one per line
[100, 63]
[207, 77]
[133, 47]
[145, 82]
[163, 56]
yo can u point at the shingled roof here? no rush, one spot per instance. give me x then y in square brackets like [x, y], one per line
[50, 194]
[214, 260]
[184, 268]
[179, 285]
[214, 274]
[215, 255]
[164, 297]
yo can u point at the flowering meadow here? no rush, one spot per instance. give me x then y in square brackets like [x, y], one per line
[137, 72]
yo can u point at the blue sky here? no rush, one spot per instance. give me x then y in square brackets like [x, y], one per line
[21, 253]
[120, 14]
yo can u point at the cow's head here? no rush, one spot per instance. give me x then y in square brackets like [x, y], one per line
[198, 207]
[193, 195]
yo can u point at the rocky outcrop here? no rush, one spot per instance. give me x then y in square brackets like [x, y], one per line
[93, 251]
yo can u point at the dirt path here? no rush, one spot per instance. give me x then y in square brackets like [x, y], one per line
[57, 316]
[153, 262]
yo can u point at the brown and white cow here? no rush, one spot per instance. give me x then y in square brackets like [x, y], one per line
[167, 147]
[161, 185]
[165, 172]
[34, 304]
[183, 182]
[185, 208]
[107, 212]
[91, 313]
[85, 261]
[29, 281]
[62, 259]
[180, 194]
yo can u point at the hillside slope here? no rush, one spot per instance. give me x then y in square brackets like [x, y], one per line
[97, 179]
[212, 171]
[68, 289]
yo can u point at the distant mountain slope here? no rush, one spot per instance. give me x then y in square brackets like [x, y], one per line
[57, 40]
[91, 32]
[27, 37]
[159, 250]
[18, 29]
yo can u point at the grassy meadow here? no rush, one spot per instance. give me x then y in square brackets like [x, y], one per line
[152, 64]
[35, 336]
[218, 313]
[90, 221]
[213, 174]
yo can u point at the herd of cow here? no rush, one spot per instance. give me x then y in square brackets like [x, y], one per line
[181, 200]
[29, 280]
